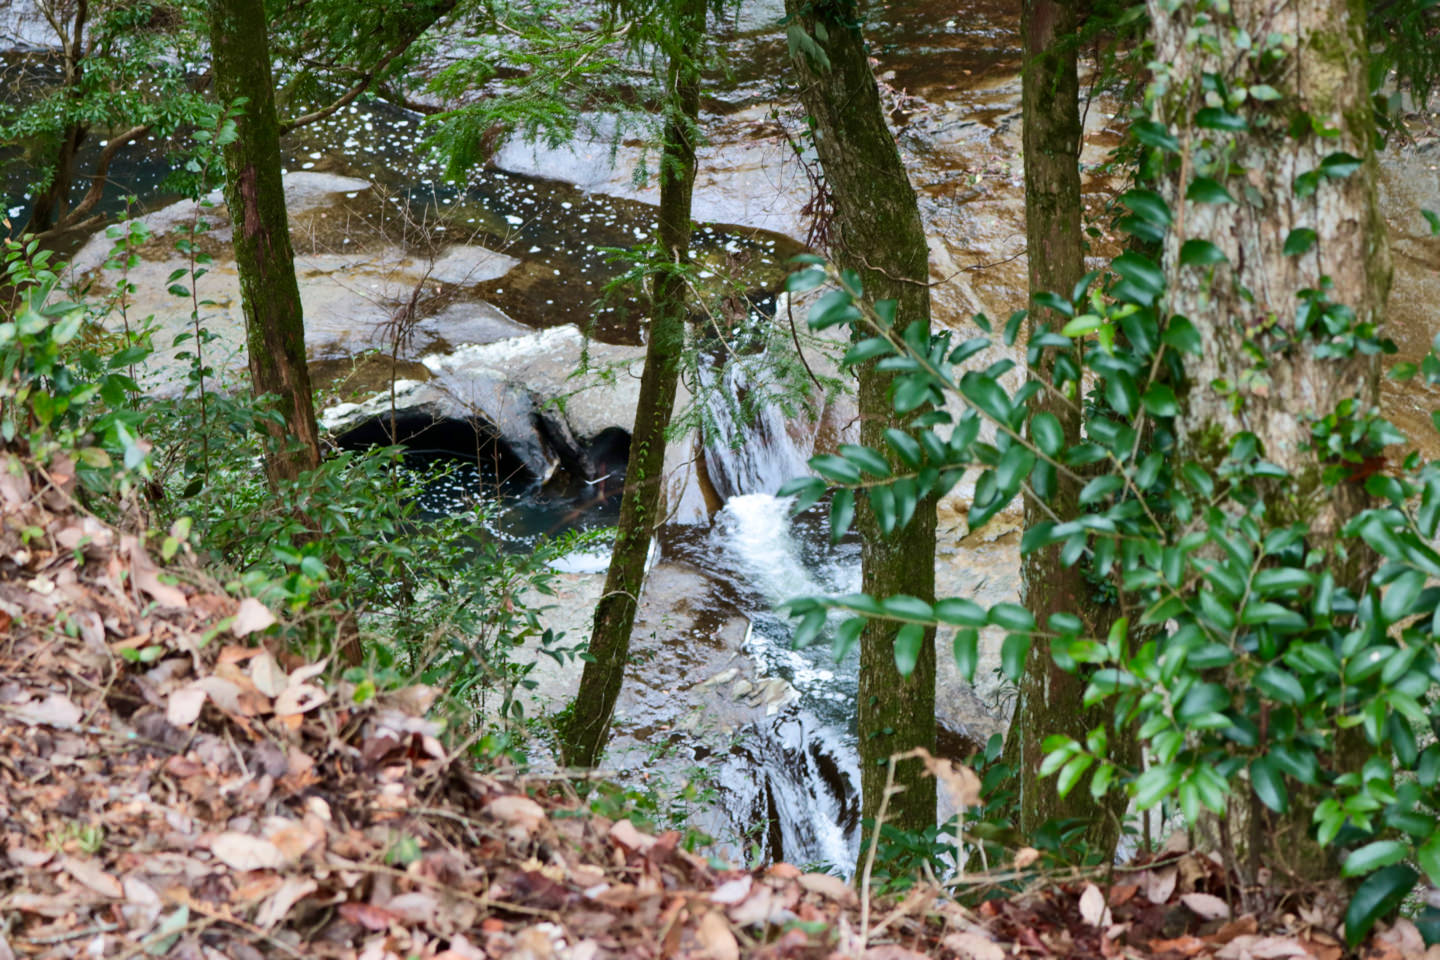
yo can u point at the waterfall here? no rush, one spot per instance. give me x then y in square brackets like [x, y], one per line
[750, 446]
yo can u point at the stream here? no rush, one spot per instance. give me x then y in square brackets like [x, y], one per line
[508, 270]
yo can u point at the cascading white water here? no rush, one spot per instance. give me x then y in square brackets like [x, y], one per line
[749, 447]
[799, 771]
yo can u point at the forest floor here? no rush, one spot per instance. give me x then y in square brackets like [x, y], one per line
[169, 787]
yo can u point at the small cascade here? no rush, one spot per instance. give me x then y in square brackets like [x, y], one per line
[750, 444]
[797, 777]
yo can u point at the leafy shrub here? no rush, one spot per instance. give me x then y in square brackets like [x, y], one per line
[1259, 658]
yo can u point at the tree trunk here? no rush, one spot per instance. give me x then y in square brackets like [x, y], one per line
[1050, 700]
[1259, 372]
[585, 731]
[880, 235]
[255, 194]
[50, 205]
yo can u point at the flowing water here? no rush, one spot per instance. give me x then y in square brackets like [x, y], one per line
[783, 754]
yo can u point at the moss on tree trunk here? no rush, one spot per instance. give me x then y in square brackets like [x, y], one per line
[264, 259]
[880, 235]
[1050, 700]
[585, 731]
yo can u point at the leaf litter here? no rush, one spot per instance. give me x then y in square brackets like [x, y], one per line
[168, 789]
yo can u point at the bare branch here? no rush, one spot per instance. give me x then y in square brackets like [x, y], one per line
[72, 220]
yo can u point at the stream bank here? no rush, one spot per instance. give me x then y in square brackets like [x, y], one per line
[479, 301]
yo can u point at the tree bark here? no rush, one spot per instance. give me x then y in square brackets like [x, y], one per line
[50, 205]
[255, 194]
[585, 731]
[1259, 372]
[1051, 700]
[881, 236]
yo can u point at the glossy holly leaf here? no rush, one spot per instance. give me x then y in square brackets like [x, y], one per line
[1269, 784]
[1218, 118]
[1299, 240]
[1047, 433]
[1148, 205]
[908, 642]
[1141, 271]
[1153, 134]
[1201, 253]
[1206, 190]
[966, 646]
[1373, 856]
[1160, 400]
[1013, 654]
[846, 637]
[842, 513]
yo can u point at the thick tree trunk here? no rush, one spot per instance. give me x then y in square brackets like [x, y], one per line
[1259, 372]
[1051, 700]
[585, 731]
[881, 236]
[255, 194]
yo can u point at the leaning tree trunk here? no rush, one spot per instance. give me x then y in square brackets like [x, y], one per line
[255, 194]
[1051, 700]
[50, 204]
[583, 735]
[880, 235]
[1298, 156]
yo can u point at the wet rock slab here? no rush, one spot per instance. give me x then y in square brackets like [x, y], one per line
[351, 292]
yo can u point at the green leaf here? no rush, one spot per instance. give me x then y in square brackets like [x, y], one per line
[882, 503]
[1153, 134]
[905, 447]
[835, 468]
[1081, 325]
[1148, 205]
[1049, 436]
[1141, 271]
[1201, 253]
[1160, 401]
[1401, 595]
[906, 607]
[1181, 334]
[1432, 218]
[866, 459]
[1373, 856]
[1011, 616]
[1299, 240]
[960, 612]
[802, 280]
[1338, 166]
[1269, 784]
[846, 637]
[908, 641]
[1279, 684]
[807, 491]
[1264, 92]
[1429, 858]
[967, 652]
[1013, 654]
[833, 307]
[1218, 118]
[1055, 302]
[868, 349]
[842, 513]
[1014, 468]
[1071, 773]
[810, 626]
[1206, 190]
